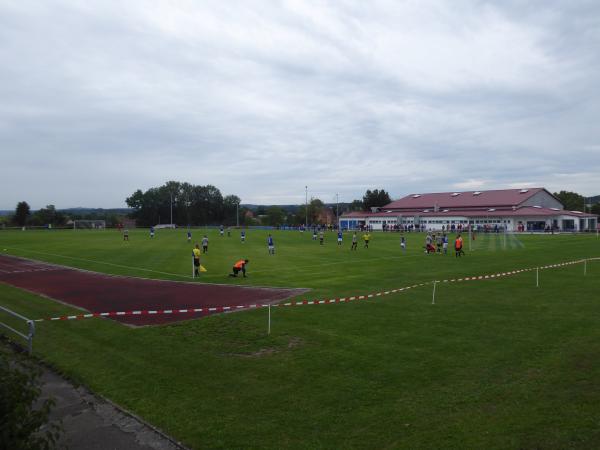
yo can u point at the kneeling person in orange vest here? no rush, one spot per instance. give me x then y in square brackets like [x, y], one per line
[238, 267]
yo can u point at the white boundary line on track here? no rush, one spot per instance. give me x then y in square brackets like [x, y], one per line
[207, 309]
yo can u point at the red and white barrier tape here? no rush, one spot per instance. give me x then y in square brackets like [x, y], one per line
[147, 312]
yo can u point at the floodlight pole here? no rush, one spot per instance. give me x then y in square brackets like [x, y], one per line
[171, 193]
[306, 206]
[237, 214]
[470, 237]
[337, 207]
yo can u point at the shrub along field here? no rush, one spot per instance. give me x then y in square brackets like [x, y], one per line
[493, 364]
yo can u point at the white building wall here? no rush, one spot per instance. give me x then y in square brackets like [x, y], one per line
[509, 223]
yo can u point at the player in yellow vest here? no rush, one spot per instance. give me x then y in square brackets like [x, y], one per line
[196, 255]
[367, 238]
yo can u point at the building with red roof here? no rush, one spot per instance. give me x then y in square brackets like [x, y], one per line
[529, 209]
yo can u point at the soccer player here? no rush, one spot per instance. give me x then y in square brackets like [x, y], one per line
[196, 256]
[458, 244]
[243, 236]
[439, 243]
[445, 244]
[151, 232]
[239, 266]
[189, 236]
[314, 237]
[428, 239]
[221, 230]
[321, 237]
[340, 237]
[366, 237]
[125, 234]
[354, 242]
[271, 245]
[205, 244]
[403, 243]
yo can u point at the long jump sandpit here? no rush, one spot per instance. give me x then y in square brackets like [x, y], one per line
[97, 292]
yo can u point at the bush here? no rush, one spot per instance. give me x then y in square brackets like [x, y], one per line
[22, 426]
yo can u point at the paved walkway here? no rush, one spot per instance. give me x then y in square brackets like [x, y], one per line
[91, 423]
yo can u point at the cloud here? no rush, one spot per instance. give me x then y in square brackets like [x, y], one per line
[261, 98]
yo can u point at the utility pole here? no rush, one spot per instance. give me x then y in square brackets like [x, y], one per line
[337, 207]
[237, 214]
[171, 192]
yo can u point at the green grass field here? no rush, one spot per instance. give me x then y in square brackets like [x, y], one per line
[493, 364]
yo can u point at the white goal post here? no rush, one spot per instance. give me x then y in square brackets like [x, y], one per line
[89, 224]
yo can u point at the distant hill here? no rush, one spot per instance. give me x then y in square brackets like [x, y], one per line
[82, 210]
[253, 207]
[593, 200]
[291, 208]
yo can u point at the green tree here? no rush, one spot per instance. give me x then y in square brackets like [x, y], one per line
[571, 201]
[375, 198]
[356, 205]
[596, 209]
[275, 216]
[314, 209]
[22, 212]
[48, 215]
[193, 205]
[230, 207]
[20, 424]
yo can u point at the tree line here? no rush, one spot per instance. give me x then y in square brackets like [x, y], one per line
[205, 205]
[195, 205]
[188, 204]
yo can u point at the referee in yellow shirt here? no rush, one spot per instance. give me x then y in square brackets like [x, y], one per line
[196, 256]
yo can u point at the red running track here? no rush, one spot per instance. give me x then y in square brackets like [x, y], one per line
[96, 292]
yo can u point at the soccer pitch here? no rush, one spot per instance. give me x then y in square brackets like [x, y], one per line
[497, 363]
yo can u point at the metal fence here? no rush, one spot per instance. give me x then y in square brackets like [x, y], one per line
[30, 323]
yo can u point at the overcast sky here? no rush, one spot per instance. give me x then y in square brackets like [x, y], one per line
[261, 98]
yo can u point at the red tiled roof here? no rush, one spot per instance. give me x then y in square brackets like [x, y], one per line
[468, 199]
